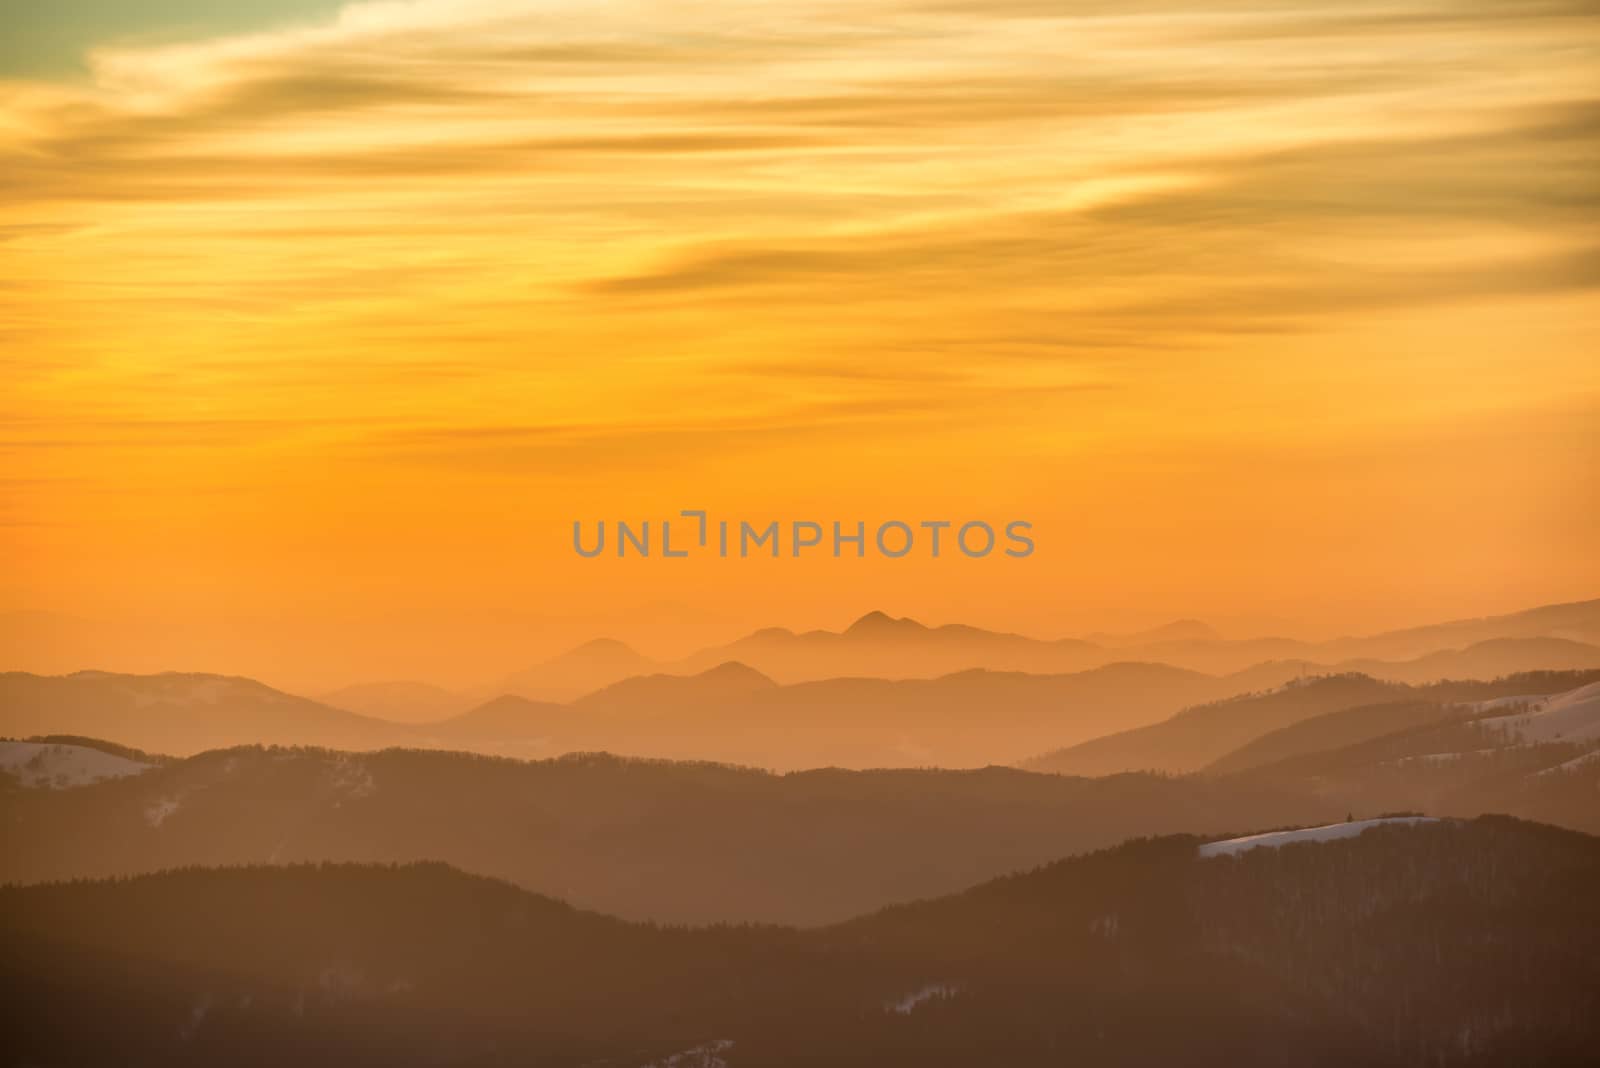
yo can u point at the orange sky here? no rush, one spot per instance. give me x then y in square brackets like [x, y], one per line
[318, 336]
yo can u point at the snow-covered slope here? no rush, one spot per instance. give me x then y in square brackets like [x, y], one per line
[1573, 716]
[63, 766]
[1330, 832]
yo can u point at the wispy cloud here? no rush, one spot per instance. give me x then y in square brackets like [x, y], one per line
[427, 222]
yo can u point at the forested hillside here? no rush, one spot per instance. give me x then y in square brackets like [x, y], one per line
[641, 839]
[1444, 943]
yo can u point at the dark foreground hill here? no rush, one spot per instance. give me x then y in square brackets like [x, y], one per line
[1446, 943]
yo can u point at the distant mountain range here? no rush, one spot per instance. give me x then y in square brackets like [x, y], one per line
[589, 667]
[729, 713]
[1463, 943]
[1119, 717]
[880, 646]
[886, 714]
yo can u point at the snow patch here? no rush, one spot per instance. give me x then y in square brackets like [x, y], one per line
[1573, 716]
[349, 777]
[62, 767]
[341, 982]
[1497, 703]
[708, 1055]
[157, 813]
[1436, 759]
[1332, 832]
[906, 1005]
[197, 1016]
[1106, 926]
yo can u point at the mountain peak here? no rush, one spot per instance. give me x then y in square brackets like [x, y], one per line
[883, 623]
[1186, 630]
[736, 673]
[1181, 630]
[602, 646]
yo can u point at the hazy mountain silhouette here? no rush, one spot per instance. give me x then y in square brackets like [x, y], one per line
[1486, 659]
[587, 668]
[879, 645]
[665, 694]
[1577, 621]
[732, 713]
[1489, 659]
[729, 713]
[1431, 704]
[1395, 654]
[1461, 943]
[505, 721]
[399, 702]
[1182, 630]
[1198, 736]
[178, 712]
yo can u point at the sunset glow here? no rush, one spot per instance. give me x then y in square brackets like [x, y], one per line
[330, 323]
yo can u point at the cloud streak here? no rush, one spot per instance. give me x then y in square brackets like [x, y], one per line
[489, 233]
